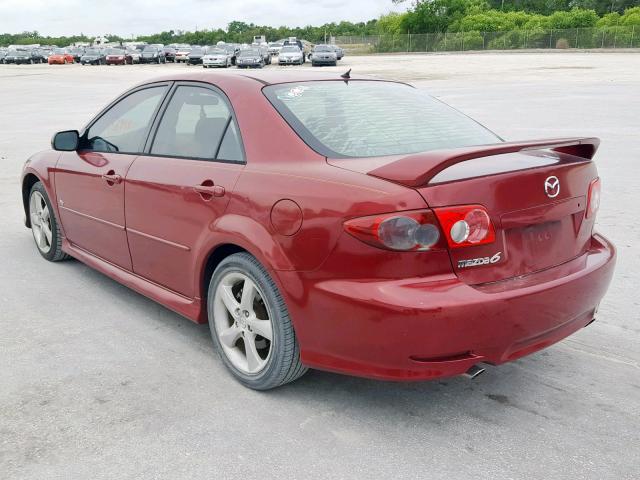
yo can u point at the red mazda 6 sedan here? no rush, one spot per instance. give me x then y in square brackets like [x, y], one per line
[347, 224]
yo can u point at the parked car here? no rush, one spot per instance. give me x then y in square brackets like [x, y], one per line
[339, 51]
[216, 57]
[290, 55]
[274, 48]
[323, 55]
[45, 52]
[60, 56]
[182, 55]
[293, 41]
[433, 244]
[233, 51]
[152, 54]
[77, 53]
[133, 55]
[93, 56]
[170, 54]
[250, 58]
[23, 57]
[195, 55]
[117, 56]
[264, 49]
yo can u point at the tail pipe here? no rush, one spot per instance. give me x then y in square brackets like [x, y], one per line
[473, 372]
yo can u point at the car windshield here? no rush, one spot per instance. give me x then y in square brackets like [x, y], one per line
[372, 118]
[217, 51]
[59, 51]
[250, 53]
[21, 53]
[150, 49]
[197, 51]
[289, 49]
[114, 51]
[323, 48]
[92, 51]
[275, 44]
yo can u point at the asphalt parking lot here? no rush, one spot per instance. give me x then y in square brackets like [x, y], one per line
[96, 381]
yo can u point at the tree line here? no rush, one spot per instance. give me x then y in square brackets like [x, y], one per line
[423, 16]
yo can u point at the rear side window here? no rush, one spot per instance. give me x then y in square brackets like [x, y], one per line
[123, 128]
[372, 118]
[197, 124]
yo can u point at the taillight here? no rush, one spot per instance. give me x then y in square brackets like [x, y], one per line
[403, 231]
[466, 225]
[593, 198]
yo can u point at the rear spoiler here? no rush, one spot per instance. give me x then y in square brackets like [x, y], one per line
[418, 169]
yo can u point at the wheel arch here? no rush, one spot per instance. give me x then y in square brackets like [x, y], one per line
[230, 244]
[212, 260]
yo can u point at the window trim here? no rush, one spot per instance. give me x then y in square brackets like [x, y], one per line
[163, 108]
[105, 110]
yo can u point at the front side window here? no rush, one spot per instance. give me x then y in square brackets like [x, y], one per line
[372, 118]
[197, 124]
[123, 128]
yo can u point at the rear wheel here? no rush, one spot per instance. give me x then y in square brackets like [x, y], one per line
[44, 226]
[250, 325]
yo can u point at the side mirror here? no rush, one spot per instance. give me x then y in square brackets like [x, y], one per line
[66, 141]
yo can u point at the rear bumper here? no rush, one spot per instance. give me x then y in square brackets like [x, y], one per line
[424, 328]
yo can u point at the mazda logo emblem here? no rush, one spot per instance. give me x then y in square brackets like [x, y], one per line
[552, 187]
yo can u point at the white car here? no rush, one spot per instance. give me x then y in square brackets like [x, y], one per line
[182, 55]
[216, 58]
[290, 55]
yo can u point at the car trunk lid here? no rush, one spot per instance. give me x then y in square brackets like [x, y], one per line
[538, 223]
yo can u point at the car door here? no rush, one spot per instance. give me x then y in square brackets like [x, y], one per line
[181, 184]
[90, 182]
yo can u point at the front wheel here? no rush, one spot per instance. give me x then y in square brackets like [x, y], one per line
[44, 226]
[250, 325]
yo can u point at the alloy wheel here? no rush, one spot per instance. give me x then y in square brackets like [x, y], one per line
[40, 222]
[243, 323]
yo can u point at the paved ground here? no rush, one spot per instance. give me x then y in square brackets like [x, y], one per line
[99, 382]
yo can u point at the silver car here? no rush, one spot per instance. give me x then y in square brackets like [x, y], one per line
[324, 55]
[217, 57]
[290, 55]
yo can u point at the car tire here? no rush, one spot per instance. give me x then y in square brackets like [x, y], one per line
[273, 362]
[40, 210]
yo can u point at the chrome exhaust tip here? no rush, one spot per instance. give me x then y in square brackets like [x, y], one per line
[473, 372]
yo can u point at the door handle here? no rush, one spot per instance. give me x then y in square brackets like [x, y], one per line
[112, 178]
[207, 190]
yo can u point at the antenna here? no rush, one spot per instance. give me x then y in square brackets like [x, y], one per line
[346, 75]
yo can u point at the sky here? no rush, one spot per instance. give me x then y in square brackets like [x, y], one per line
[140, 17]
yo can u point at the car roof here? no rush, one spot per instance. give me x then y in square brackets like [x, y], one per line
[262, 78]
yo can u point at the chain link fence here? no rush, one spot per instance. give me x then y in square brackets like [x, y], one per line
[607, 37]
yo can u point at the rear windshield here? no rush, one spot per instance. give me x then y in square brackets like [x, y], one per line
[372, 118]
